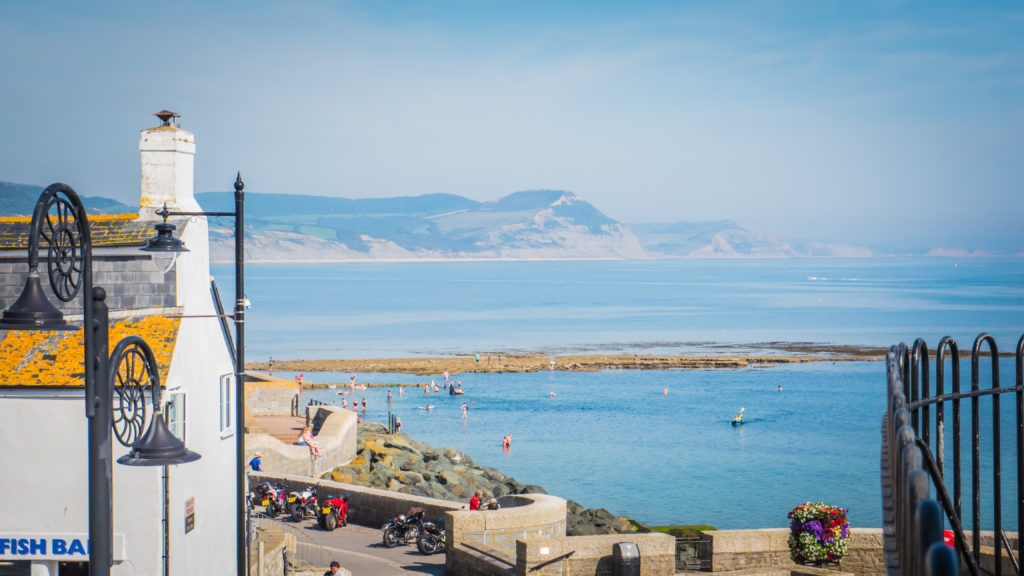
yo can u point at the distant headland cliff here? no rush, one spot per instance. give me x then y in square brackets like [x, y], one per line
[534, 224]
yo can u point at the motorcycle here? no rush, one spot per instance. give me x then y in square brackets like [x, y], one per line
[431, 538]
[264, 494]
[403, 529]
[299, 504]
[332, 512]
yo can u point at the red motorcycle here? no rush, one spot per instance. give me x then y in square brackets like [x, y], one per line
[332, 512]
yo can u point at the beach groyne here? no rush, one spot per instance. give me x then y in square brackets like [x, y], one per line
[401, 464]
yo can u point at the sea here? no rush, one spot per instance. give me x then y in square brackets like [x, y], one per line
[654, 445]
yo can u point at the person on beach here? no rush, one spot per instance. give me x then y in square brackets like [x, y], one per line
[426, 388]
[271, 363]
[552, 364]
[464, 409]
[506, 442]
[398, 424]
[352, 384]
[364, 403]
[335, 569]
[256, 464]
[344, 404]
[665, 391]
[389, 395]
[474, 502]
[459, 388]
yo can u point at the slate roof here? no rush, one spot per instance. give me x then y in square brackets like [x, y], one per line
[56, 358]
[107, 230]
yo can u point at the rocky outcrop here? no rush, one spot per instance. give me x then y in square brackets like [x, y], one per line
[397, 462]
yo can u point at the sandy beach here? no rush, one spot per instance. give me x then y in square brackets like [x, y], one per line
[495, 362]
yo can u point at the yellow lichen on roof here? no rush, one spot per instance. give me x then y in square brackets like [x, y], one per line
[92, 218]
[32, 358]
[105, 230]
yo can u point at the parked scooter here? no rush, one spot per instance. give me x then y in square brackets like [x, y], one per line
[431, 538]
[300, 504]
[264, 494]
[332, 512]
[403, 529]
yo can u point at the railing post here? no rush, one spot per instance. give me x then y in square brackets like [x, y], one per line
[941, 560]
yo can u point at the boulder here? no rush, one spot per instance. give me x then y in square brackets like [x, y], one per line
[532, 489]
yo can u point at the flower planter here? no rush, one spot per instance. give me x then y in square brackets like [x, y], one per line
[818, 533]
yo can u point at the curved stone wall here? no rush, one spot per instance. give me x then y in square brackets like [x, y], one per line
[530, 516]
[336, 437]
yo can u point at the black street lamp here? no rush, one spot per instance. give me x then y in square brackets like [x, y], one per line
[60, 219]
[165, 243]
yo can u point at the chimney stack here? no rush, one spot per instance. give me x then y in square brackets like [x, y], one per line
[167, 154]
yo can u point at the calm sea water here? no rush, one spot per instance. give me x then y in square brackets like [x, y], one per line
[358, 310]
[613, 439]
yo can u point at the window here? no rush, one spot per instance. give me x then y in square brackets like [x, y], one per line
[227, 391]
[175, 411]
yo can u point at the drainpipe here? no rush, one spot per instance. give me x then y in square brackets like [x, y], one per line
[165, 522]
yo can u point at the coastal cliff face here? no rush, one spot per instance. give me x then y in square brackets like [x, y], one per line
[397, 462]
[535, 224]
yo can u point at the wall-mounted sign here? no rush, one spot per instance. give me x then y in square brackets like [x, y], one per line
[190, 514]
[67, 547]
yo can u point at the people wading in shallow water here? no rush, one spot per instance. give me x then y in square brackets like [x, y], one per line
[506, 442]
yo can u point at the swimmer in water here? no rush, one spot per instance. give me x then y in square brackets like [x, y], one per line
[665, 391]
[552, 394]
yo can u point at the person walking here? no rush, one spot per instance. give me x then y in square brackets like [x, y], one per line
[335, 568]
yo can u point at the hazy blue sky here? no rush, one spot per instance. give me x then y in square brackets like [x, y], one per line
[864, 122]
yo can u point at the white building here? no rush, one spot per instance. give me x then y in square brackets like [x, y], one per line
[179, 523]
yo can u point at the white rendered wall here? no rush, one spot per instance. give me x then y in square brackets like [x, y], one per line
[45, 471]
[201, 357]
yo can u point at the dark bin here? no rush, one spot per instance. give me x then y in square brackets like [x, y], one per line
[625, 559]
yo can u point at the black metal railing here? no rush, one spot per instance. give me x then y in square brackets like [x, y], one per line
[693, 554]
[914, 460]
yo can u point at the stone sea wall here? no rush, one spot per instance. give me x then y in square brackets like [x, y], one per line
[397, 462]
[764, 549]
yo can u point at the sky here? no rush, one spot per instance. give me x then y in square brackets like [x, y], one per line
[869, 123]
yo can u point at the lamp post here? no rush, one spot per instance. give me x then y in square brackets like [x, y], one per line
[60, 219]
[165, 243]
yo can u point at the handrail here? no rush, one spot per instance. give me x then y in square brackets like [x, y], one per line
[490, 553]
[914, 451]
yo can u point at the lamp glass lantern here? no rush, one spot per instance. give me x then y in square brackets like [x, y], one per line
[164, 246]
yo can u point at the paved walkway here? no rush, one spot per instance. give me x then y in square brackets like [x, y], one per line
[284, 428]
[359, 550]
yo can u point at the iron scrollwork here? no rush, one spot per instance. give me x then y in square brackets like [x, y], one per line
[65, 231]
[132, 368]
